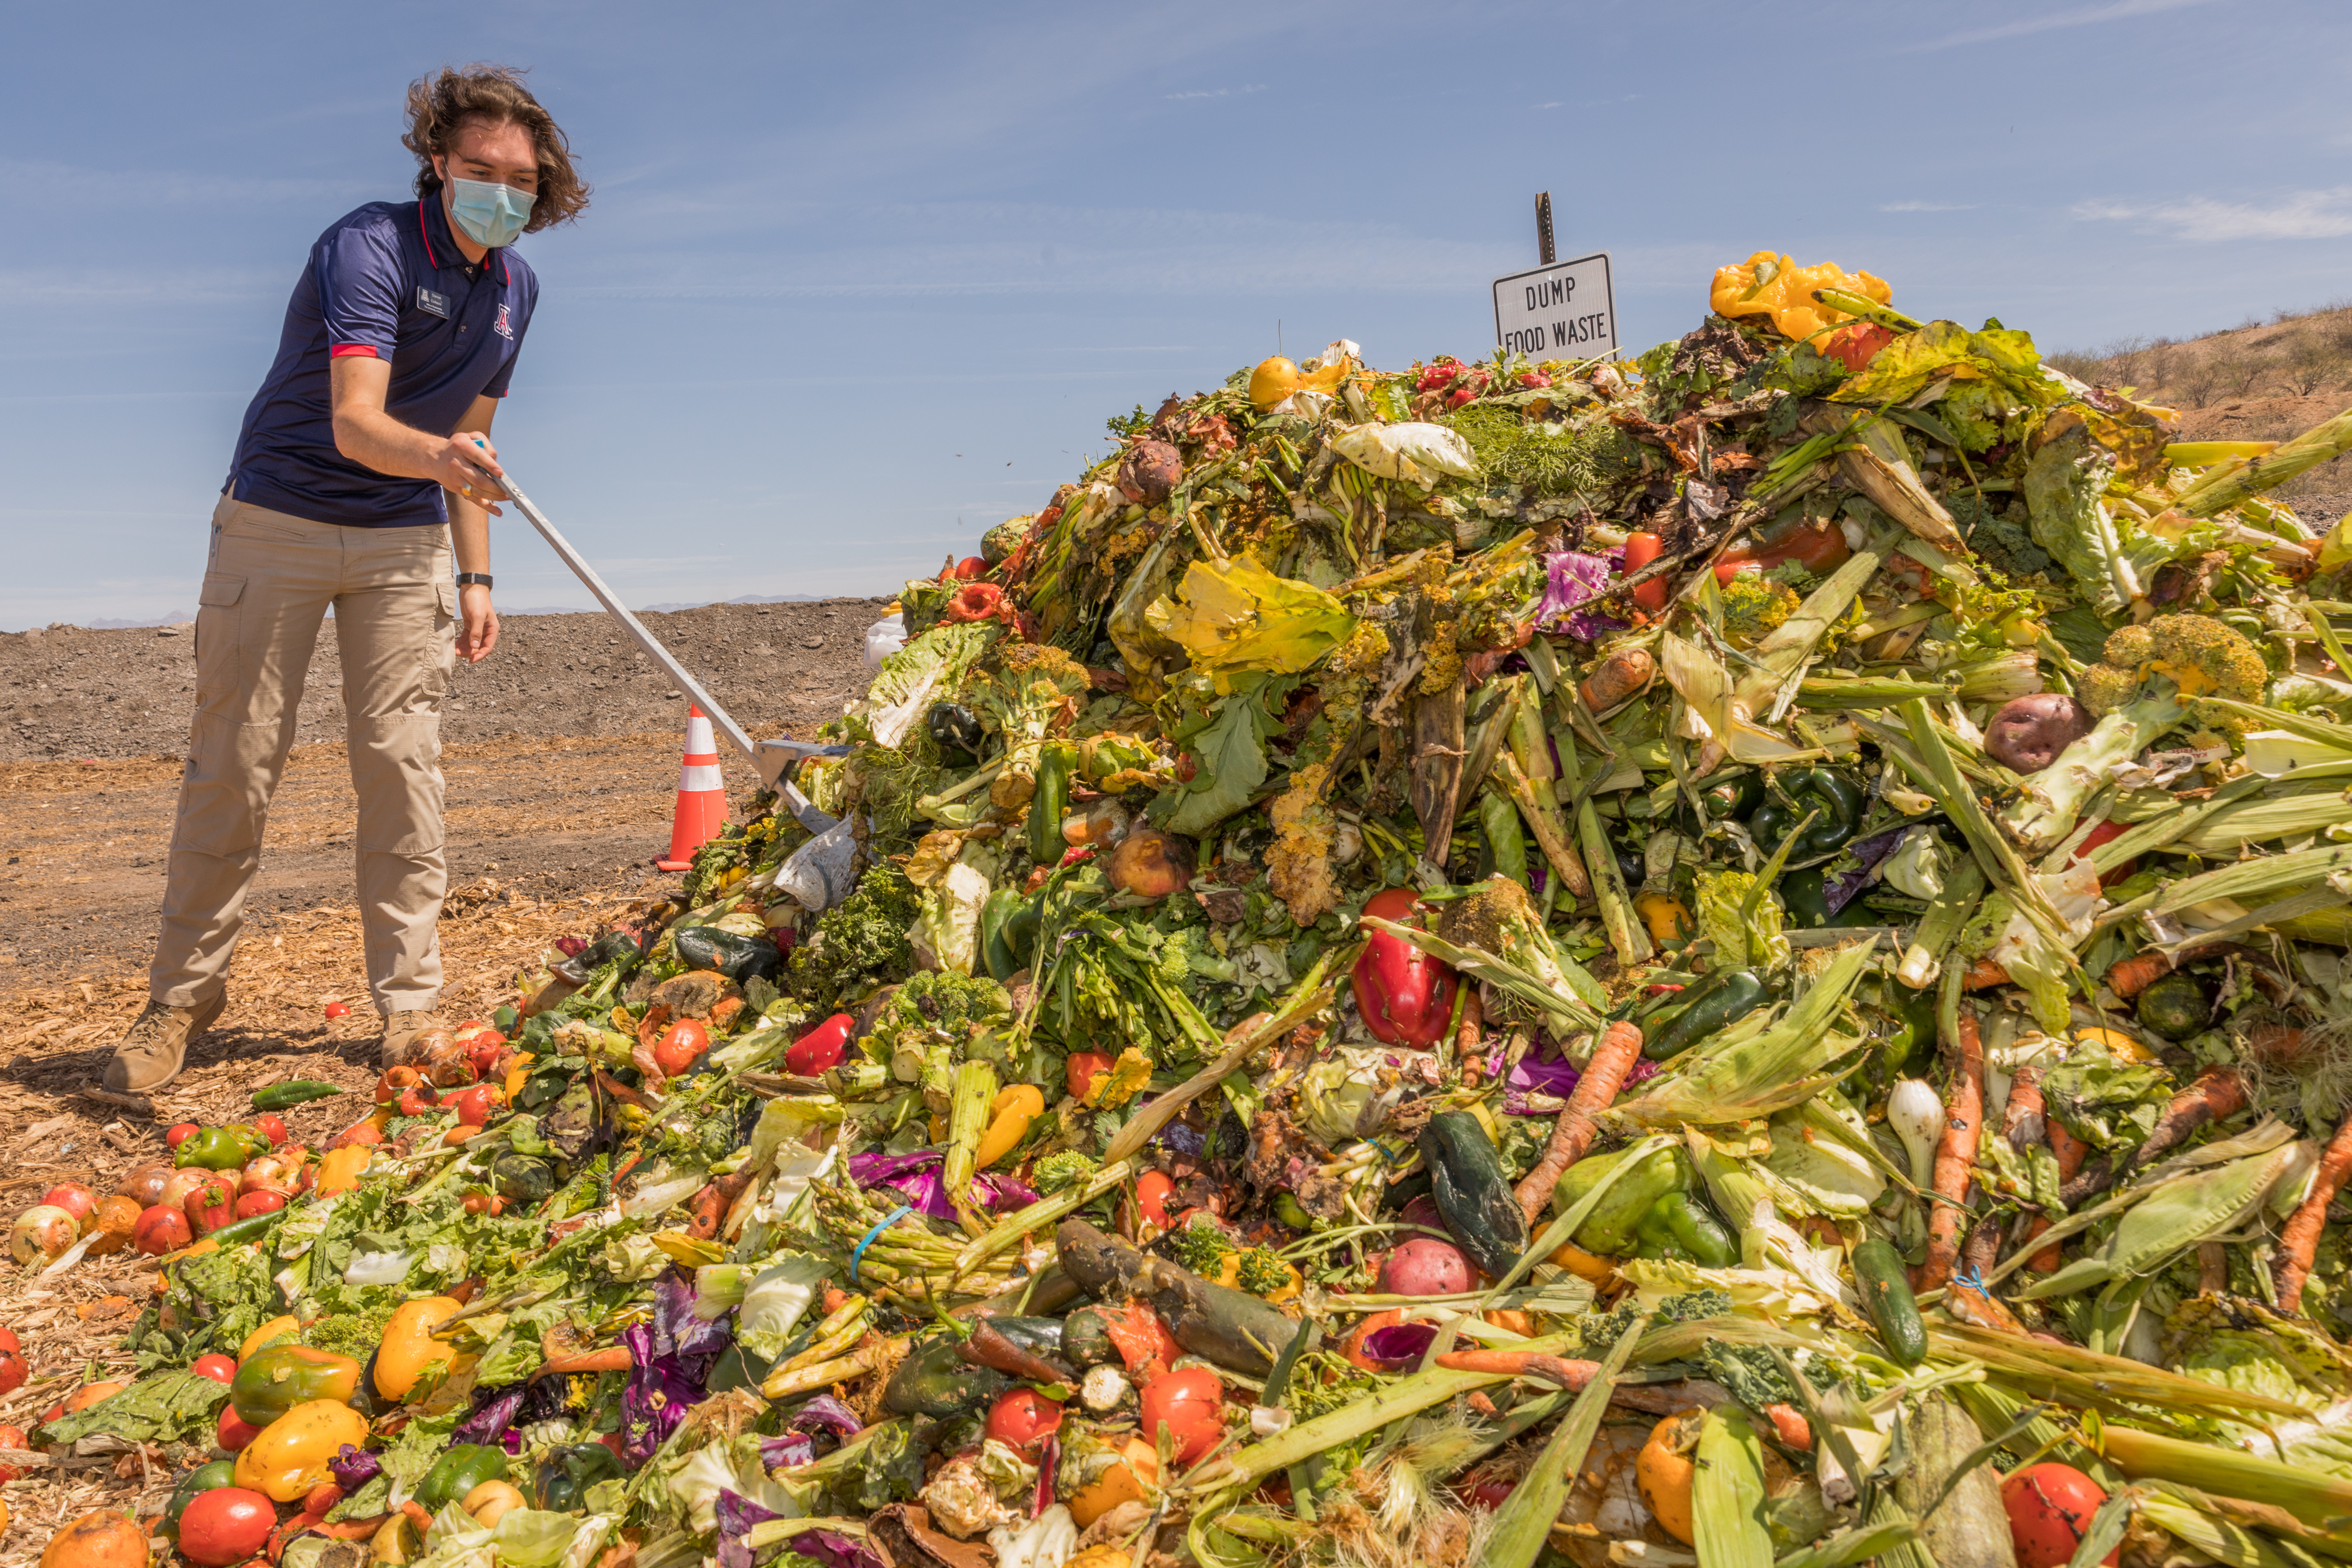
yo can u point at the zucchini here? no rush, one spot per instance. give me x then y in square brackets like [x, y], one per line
[1887, 1292]
[1086, 1339]
[1970, 1530]
[737, 957]
[1472, 1193]
[936, 1381]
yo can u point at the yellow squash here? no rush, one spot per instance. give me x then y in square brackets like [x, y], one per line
[408, 1345]
[290, 1456]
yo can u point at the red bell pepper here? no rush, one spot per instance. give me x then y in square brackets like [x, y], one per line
[1406, 996]
[2102, 834]
[821, 1047]
[1640, 549]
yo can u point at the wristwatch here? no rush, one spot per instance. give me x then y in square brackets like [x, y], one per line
[465, 578]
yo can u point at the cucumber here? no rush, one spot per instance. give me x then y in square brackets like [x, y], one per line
[1086, 1339]
[293, 1092]
[1472, 1193]
[1886, 1293]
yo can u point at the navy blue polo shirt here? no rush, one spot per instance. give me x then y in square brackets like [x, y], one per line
[389, 281]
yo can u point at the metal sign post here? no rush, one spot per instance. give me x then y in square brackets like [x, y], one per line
[770, 757]
[1543, 228]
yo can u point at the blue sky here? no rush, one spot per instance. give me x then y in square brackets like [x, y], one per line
[860, 280]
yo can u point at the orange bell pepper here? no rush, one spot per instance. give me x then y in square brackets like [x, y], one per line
[1774, 286]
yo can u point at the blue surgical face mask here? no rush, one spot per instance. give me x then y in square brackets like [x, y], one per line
[491, 214]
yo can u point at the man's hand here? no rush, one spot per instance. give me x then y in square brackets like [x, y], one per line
[478, 631]
[468, 464]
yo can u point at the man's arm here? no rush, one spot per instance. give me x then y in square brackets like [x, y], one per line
[464, 465]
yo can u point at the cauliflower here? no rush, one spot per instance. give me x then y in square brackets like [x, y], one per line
[1754, 607]
[2201, 656]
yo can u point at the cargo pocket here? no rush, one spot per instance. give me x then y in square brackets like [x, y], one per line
[441, 651]
[217, 634]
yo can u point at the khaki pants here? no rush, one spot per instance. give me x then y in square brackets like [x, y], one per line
[267, 583]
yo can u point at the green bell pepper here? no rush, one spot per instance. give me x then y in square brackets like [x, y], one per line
[566, 1474]
[1056, 761]
[203, 1478]
[995, 949]
[1836, 800]
[1678, 1226]
[218, 1148]
[458, 1472]
[1729, 799]
[1611, 1228]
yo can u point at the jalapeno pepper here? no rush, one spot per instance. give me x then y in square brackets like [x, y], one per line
[1915, 1021]
[218, 1148]
[1805, 895]
[1691, 1015]
[1836, 801]
[1056, 761]
[1678, 1226]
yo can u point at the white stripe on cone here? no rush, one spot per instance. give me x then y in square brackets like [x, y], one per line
[701, 808]
[700, 779]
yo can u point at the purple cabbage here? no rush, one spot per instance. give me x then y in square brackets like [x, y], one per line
[824, 1412]
[1842, 889]
[1556, 1079]
[737, 1514]
[833, 1550]
[1399, 1347]
[669, 1368]
[1049, 1461]
[495, 1413]
[354, 1468]
[1572, 579]
[787, 1452]
[918, 1177]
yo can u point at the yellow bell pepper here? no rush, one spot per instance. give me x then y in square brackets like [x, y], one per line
[1774, 286]
[408, 1346]
[281, 1328]
[1010, 1114]
[290, 1455]
[340, 1171]
[1664, 915]
[519, 1074]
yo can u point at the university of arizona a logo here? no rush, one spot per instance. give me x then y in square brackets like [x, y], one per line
[504, 328]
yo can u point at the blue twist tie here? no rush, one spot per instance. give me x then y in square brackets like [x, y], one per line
[887, 1221]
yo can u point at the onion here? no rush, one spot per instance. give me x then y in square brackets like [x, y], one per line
[41, 1233]
[1917, 1117]
[143, 1184]
[110, 1225]
[1150, 864]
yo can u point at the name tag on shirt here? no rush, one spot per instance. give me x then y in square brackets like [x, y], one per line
[435, 304]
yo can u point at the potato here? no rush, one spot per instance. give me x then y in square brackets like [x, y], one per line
[1426, 1266]
[2029, 732]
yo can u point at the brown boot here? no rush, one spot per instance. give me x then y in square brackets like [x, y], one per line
[404, 1037]
[156, 1045]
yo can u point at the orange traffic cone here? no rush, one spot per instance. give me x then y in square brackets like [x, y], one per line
[701, 794]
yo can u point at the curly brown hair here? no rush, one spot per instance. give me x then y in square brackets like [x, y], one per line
[438, 105]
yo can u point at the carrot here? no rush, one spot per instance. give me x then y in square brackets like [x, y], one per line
[1620, 675]
[2128, 977]
[1789, 1426]
[2300, 1240]
[2215, 1095]
[1955, 1157]
[1570, 1374]
[1572, 1134]
[1984, 975]
[2071, 1152]
[1472, 1031]
[614, 1359]
[2022, 1118]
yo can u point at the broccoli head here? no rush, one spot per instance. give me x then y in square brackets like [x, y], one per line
[1056, 1173]
[940, 1005]
[858, 938]
[1754, 607]
[2201, 656]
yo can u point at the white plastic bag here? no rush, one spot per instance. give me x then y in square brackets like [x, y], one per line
[884, 638]
[822, 871]
[1416, 452]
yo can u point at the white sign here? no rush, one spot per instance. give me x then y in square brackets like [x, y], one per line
[1562, 311]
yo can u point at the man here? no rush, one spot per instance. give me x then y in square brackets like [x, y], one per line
[364, 464]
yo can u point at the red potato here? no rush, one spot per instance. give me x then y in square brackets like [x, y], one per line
[2029, 732]
[1426, 1266]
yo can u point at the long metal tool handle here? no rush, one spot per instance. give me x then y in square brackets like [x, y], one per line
[770, 759]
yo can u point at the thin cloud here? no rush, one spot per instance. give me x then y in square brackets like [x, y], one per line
[1215, 92]
[1927, 207]
[2299, 215]
[2084, 16]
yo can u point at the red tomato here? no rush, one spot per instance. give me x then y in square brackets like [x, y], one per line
[1855, 344]
[13, 1370]
[272, 1126]
[225, 1525]
[482, 1044]
[1021, 1419]
[1191, 1403]
[1152, 1190]
[1488, 1491]
[680, 1044]
[160, 1230]
[474, 1105]
[2105, 832]
[971, 569]
[417, 1098]
[1818, 544]
[821, 1047]
[1640, 549]
[219, 1368]
[74, 1198]
[231, 1432]
[180, 1134]
[12, 1437]
[2050, 1506]
[339, 1009]
[1080, 1069]
[260, 1201]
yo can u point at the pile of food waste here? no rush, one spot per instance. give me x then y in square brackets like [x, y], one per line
[1737, 958]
